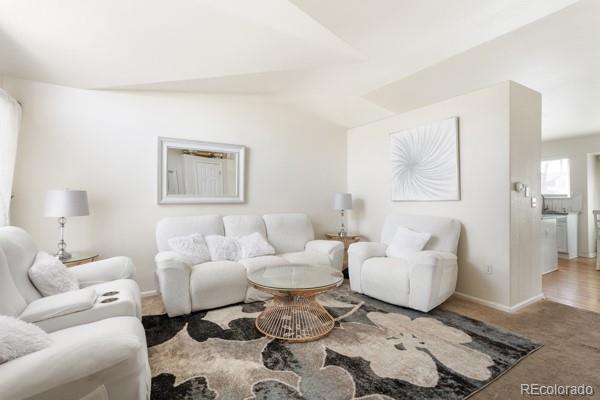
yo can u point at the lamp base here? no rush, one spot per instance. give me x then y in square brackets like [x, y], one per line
[63, 255]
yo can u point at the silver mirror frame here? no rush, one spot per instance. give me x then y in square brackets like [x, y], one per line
[164, 143]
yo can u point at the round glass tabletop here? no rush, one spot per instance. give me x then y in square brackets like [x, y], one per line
[296, 277]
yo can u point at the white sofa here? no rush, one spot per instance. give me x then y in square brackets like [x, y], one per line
[421, 282]
[186, 288]
[21, 299]
[94, 345]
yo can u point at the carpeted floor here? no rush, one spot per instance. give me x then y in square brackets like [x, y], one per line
[379, 351]
[571, 351]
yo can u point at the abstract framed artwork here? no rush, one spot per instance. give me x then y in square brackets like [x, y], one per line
[425, 162]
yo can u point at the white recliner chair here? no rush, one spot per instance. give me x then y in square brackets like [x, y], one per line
[64, 310]
[94, 345]
[186, 288]
[421, 282]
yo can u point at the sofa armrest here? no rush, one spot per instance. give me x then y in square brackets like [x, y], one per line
[358, 253]
[432, 279]
[174, 283]
[76, 354]
[109, 269]
[333, 249]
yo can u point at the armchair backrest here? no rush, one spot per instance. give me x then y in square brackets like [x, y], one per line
[171, 227]
[445, 232]
[288, 232]
[20, 251]
[11, 301]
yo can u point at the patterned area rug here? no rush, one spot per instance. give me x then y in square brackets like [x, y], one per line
[377, 351]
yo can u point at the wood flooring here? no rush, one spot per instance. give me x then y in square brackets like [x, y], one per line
[576, 283]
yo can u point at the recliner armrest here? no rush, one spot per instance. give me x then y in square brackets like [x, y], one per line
[174, 283]
[333, 249]
[109, 269]
[59, 304]
[434, 258]
[358, 253]
[432, 278]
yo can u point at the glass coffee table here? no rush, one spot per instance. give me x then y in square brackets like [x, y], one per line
[294, 314]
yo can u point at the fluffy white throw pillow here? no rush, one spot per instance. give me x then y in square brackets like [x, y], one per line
[254, 245]
[19, 338]
[192, 248]
[50, 276]
[223, 248]
[406, 242]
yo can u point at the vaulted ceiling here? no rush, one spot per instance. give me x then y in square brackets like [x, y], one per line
[350, 61]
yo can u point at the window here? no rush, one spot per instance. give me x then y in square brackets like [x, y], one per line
[556, 179]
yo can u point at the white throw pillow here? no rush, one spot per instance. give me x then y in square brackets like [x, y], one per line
[406, 242]
[19, 338]
[50, 276]
[254, 245]
[192, 248]
[223, 248]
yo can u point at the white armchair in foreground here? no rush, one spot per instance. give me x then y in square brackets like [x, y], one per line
[110, 354]
[422, 281]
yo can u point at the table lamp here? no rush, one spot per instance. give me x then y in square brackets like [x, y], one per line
[342, 202]
[62, 204]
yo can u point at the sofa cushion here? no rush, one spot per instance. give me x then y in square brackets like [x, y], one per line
[50, 276]
[19, 338]
[58, 305]
[222, 248]
[445, 232]
[216, 284]
[288, 232]
[254, 245]
[307, 257]
[20, 251]
[406, 243]
[256, 263]
[242, 225]
[167, 228]
[378, 272]
[191, 248]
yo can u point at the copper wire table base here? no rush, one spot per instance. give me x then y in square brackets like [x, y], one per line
[295, 318]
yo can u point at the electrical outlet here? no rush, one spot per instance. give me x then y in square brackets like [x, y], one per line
[489, 269]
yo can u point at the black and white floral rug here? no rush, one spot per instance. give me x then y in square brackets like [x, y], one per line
[377, 351]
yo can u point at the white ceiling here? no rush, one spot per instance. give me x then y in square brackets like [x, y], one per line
[350, 61]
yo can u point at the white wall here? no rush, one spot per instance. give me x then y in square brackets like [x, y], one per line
[485, 207]
[577, 150]
[106, 143]
[525, 223]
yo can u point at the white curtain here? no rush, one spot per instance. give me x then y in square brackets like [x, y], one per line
[10, 119]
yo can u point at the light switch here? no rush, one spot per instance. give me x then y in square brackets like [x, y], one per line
[533, 202]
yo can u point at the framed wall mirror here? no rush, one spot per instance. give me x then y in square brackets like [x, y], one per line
[193, 172]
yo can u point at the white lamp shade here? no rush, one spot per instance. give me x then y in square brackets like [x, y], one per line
[66, 203]
[342, 201]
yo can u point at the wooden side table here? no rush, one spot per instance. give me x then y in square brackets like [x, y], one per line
[78, 258]
[346, 240]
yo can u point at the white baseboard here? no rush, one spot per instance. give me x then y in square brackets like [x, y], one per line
[527, 302]
[552, 270]
[587, 255]
[149, 293]
[498, 306]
